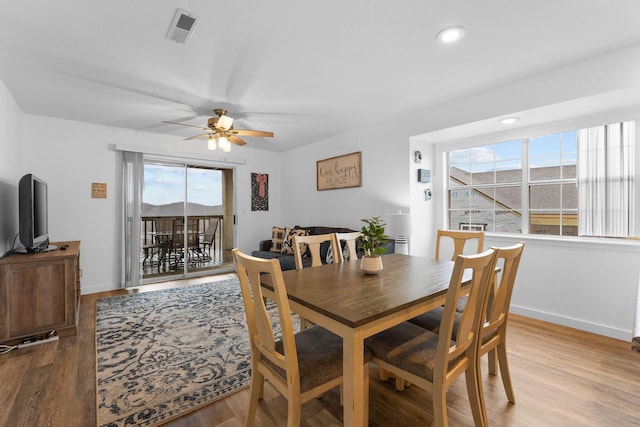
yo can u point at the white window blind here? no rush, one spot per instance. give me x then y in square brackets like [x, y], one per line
[606, 180]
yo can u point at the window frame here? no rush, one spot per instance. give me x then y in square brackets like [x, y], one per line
[525, 133]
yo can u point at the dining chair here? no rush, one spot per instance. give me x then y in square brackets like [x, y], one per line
[459, 240]
[494, 327]
[433, 361]
[300, 366]
[350, 244]
[313, 242]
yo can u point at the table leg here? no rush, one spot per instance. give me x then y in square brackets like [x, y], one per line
[356, 413]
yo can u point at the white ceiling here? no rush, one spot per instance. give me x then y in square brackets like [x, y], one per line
[304, 70]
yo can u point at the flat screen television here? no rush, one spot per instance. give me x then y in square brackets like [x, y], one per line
[33, 221]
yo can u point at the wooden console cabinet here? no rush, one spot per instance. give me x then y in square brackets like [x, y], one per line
[40, 292]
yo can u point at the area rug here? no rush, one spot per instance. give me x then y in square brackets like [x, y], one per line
[165, 353]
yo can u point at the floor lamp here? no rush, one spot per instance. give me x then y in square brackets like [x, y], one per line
[400, 229]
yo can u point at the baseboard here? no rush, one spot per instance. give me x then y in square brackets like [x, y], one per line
[100, 288]
[621, 334]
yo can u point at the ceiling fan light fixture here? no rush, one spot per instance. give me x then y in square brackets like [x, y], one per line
[450, 34]
[225, 122]
[220, 132]
[224, 144]
[211, 144]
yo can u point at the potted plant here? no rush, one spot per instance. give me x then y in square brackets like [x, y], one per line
[371, 242]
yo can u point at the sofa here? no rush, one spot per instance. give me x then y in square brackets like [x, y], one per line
[272, 248]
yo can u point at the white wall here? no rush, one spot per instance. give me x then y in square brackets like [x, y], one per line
[385, 181]
[422, 211]
[72, 155]
[10, 139]
[584, 285]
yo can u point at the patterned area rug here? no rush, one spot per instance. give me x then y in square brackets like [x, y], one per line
[163, 354]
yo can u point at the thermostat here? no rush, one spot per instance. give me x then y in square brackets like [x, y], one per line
[424, 175]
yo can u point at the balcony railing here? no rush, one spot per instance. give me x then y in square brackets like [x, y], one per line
[166, 245]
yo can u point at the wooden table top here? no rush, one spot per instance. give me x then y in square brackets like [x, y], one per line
[346, 294]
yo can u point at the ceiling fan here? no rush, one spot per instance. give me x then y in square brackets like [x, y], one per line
[220, 129]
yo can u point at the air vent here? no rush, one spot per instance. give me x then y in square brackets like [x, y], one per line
[182, 26]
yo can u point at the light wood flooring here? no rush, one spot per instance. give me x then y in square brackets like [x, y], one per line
[561, 376]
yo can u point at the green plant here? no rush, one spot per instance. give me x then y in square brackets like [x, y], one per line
[373, 237]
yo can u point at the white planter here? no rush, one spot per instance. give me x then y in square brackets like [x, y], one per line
[371, 265]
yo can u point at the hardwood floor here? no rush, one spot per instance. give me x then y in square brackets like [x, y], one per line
[561, 377]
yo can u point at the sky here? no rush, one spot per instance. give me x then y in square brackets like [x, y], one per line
[547, 150]
[164, 184]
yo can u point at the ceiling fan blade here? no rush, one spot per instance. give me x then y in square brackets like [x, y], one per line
[247, 132]
[184, 124]
[202, 135]
[236, 140]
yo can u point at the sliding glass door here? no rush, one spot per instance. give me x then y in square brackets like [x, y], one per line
[186, 221]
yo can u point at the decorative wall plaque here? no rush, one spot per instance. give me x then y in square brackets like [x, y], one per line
[339, 172]
[99, 190]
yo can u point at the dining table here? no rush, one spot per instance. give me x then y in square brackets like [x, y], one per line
[354, 305]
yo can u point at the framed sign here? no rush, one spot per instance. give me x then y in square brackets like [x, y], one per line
[339, 172]
[99, 190]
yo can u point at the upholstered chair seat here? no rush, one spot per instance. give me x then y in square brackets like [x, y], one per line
[409, 347]
[431, 322]
[319, 357]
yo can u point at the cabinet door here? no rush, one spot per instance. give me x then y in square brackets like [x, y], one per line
[37, 297]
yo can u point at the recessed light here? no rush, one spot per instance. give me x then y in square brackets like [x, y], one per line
[509, 120]
[451, 34]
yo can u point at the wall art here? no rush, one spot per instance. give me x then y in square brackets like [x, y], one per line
[339, 172]
[259, 192]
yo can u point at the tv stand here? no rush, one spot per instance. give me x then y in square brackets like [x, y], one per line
[40, 293]
[37, 250]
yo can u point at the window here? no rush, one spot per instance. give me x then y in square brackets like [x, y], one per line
[484, 187]
[553, 195]
[473, 227]
[574, 183]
